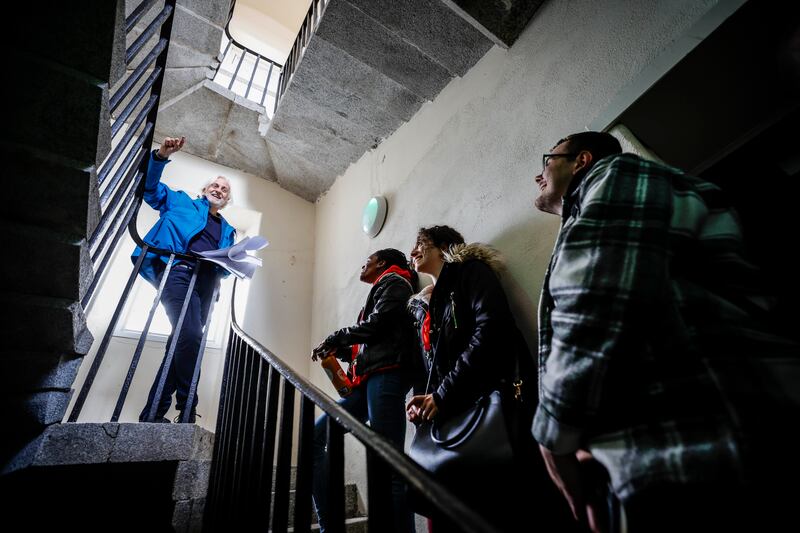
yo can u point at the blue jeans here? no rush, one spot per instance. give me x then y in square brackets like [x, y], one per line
[181, 371]
[381, 400]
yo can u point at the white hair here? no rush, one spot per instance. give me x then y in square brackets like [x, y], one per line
[212, 180]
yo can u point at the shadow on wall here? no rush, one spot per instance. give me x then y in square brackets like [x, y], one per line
[522, 246]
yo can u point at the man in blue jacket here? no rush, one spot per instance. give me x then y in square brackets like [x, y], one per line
[190, 226]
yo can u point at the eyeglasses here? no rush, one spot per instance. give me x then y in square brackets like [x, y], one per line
[546, 158]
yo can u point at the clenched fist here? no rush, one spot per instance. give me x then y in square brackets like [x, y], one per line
[170, 146]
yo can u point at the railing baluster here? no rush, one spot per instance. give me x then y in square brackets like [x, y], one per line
[253, 497]
[167, 363]
[305, 467]
[101, 351]
[379, 492]
[112, 159]
[136, 100]
[268, 445]
[220, 436]
[130, 215]
[140, 345]
[248, 465]
[140, 41]
[137, 152]
[108, 219]
[225, 52]
[335, 458]
[280, 519]
[233, 439]
[187, 410]
[228, 447]
[252, 75]
[137, 14]
[236, 72]
[136, 75]
[266, 84]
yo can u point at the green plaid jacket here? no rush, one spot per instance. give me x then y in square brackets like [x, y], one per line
[652, 350]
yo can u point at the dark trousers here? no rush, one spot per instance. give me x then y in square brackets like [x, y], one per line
[381, 400]
[181, 371]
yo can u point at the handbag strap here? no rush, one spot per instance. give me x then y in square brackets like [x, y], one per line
[467, 429]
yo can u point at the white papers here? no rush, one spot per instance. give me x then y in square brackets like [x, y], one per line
[235, 259]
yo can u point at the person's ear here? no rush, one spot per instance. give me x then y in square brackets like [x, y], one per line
[583, 160]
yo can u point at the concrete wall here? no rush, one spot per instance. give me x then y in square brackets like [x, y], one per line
[467, 159]
[274, 307]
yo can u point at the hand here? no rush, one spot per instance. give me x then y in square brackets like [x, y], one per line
[321, 351]
[170, 146]
[574, 474]
[421, 408]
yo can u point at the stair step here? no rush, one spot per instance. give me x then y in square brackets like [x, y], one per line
[351, 525]
[351, 508]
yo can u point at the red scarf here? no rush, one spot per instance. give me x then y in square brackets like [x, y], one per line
[426, 331]
[354, 378]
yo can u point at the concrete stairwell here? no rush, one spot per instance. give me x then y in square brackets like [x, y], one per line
[355, 517]
[64, 58]
[142, 477]
[220, 126]
[368, 68]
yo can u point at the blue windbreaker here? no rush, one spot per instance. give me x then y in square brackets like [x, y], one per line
[181, 219]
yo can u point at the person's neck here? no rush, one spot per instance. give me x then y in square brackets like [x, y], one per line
[436, 273]
[213, 210]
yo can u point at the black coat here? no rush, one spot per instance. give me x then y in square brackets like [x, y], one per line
[384, 329]
[475, 342]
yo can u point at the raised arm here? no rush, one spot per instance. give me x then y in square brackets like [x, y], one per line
[156, 194]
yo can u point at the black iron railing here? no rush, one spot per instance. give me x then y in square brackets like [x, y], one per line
[257, 386]
[120, 182]
[257, 81]
[310, 23]
[120, 175]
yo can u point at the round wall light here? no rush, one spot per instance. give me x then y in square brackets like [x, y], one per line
[374, 215]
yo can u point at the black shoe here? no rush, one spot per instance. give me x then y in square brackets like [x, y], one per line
[192, 417]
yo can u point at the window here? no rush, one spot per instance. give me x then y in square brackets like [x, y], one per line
[134, 315]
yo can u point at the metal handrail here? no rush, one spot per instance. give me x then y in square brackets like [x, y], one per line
[383, 455]
[315, 12]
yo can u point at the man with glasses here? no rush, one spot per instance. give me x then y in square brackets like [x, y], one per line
[655, 356]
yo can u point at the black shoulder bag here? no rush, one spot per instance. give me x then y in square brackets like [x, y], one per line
[476, 438]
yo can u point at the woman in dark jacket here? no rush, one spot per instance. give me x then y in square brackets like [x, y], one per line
[470, 339]
[377, 348]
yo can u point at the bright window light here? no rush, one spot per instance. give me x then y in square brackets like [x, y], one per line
[135, 314]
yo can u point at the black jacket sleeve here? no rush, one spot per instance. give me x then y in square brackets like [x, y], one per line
[390, 299]
[479, 366]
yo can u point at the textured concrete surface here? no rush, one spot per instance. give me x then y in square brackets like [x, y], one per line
[506, 20]
[59, 193]
[368, 69]
[69, 444]
[366, 39]
[30, 371]
[72, 105]
[51, 323]
[434, 28]
[57, 264]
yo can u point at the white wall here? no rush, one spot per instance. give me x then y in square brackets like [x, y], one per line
[274, 307]
[468, 158]
[268, 27]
